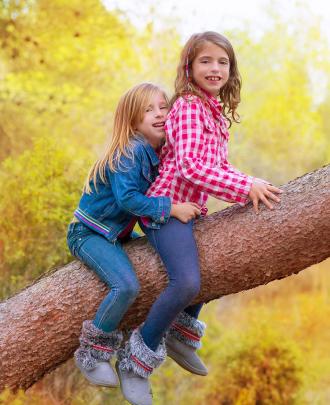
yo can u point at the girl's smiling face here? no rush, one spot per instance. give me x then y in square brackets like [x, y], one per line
[153, 121]
[210, 68]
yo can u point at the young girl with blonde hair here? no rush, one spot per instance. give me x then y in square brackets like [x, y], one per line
[113, 197]
[193, 165]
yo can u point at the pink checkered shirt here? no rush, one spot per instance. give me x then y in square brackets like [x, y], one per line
[194, 159]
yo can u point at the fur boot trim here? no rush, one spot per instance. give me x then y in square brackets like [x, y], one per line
[188, 330]
[96, 345]
[136, 356]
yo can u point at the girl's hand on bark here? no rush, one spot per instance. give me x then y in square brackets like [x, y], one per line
[264, 192]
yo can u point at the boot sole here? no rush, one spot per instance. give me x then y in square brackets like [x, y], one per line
[183, 363]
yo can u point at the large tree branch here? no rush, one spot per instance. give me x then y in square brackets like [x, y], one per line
[238, 250]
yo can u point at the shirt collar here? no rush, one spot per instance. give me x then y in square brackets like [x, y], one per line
[213, 103]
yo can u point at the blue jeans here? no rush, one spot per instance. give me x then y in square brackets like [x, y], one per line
[175, 243]
[110, 262]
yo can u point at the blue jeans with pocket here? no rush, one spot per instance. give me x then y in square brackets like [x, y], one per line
[112, 265]
[175, 243]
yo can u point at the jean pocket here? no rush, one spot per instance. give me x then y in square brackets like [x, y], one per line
[71, 245]
[75, 240]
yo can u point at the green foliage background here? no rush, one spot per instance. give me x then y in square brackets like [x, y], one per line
[63, 67]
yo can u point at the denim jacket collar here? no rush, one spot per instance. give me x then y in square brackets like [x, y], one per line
[149, 149]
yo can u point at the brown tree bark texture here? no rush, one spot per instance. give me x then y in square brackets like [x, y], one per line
[239, 250]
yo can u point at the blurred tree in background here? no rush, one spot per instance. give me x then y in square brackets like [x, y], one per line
[63, 70]
[63, 67]
[284, 125]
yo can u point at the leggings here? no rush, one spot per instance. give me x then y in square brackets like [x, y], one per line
[175, 243]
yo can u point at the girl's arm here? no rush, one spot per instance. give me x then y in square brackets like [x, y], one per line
[125, 185]
[190, 148]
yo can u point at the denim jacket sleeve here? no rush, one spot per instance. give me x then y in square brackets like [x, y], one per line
[126, 185]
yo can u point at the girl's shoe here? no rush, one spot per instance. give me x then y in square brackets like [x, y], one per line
[136, 389]
[101, 374]
[182, 341]
[136, 362]
[94, 353]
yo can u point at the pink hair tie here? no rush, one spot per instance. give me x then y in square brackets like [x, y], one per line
[187, 64]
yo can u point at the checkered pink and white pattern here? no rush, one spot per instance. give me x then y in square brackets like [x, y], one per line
[194, 159]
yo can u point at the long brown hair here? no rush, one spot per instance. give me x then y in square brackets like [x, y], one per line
[129, 112]
[184, 84]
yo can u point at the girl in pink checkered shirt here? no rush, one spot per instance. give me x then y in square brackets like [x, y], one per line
[193, 165]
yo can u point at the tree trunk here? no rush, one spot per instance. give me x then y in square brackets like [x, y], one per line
[239, 250]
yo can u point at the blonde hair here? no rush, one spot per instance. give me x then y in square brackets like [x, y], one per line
[229, 93]
[129, 112]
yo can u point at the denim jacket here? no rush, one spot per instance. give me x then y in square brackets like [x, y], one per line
[110, 209]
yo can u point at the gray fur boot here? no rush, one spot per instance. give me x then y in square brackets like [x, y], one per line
[94, 353]
[135, 364]
[182, 341]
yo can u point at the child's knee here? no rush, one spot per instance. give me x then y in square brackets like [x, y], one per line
[187, 289]
[130, 290]
[193, 287]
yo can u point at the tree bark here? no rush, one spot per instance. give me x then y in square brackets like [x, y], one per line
[239, 250]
